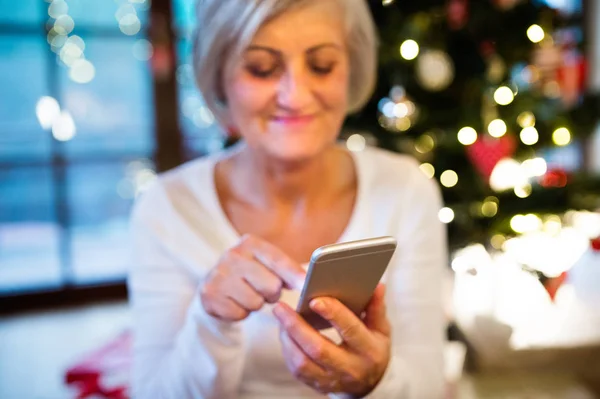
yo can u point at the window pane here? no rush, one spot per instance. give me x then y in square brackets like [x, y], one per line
[201, 133]
[22, 11]
[100, 197]
[29, 234]
[23, 80]
[185, 14]
[104, 13]
[113, 112]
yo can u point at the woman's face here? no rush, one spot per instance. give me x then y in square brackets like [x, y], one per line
[287, 95]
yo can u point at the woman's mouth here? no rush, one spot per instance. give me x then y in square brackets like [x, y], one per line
[293, 121]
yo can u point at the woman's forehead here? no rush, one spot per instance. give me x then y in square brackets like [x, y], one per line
[311, 25]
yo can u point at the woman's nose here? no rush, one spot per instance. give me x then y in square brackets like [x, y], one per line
[294, 92]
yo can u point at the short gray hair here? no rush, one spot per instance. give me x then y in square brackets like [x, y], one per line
[226, 27]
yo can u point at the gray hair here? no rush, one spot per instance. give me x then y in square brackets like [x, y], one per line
[226, 27]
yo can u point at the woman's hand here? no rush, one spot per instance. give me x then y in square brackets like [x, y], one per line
[248, 275]
[354, 367]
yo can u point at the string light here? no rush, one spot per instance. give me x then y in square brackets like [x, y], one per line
[449, 178]
[356, 143]
[523, 191]
[64, 25]
[446, 215]
[507, 174]
[497, 241]
[63, 128]
[497, 128]
[504, 95]
[203, 118]
[47, 111]
[58, 8]
[428, 170]
[561, 136]
[529, 135]
[467, 135]
[489, 208]
[403, 124]
[424, 144]
[82, 71]
[535, 33]
[409, 49]
[535, 167]
[526, 119]
[142, 50]
[525, 223]
[130, 24]
[400, 110]
[552, 224]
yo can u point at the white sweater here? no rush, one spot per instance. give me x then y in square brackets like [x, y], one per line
[180, 230]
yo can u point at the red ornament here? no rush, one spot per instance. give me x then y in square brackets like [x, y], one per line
[555, 178]
[571, 76]
[506, 4]
[486, 152]
[552, 284]
[457, 13]
[595, 244]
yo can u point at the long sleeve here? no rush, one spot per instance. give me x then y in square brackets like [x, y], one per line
[179, 350]
[414, 299]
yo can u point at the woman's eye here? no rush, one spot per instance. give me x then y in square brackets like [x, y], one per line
[322, 69]
[261, 71]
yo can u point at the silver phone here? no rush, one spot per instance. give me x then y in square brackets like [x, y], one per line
[348, 271]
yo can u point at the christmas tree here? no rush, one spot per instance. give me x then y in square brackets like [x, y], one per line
[486, 95]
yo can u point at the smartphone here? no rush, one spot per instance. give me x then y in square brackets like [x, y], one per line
[348, 271]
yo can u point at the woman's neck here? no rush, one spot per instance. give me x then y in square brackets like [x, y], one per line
[267, 182]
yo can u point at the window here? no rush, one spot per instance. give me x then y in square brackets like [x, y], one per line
[201, 134]
[76, 139]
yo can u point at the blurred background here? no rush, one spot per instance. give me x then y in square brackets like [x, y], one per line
[497, 99]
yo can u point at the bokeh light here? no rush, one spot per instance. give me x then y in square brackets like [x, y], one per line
[525, 223]
[529, 135]
[82, 71]
[409, 50]
[497, 128]
[467, 135]
[203, 117]
[489, 208]
[47, 111]
[561, 136]
[449, 178]
[58, 8]
[63, 128]
[504, 95]
[535, 167]
[446, 215]
[403, 124]
[424, 144]
[356, 143]
[526, 119]
[130, 24]
[523, 191]
[142, 50]
[427, 169]
[535, 33]
[64, 25]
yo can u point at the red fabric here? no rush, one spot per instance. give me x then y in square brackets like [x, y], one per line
[554, 283]
[595, 244]
[103, 373]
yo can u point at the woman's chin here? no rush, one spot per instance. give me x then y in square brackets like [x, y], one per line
[297, 152]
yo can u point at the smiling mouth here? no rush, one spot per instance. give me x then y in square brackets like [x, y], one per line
[293, 120]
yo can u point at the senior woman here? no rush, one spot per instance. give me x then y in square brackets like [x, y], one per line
[222, 242]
